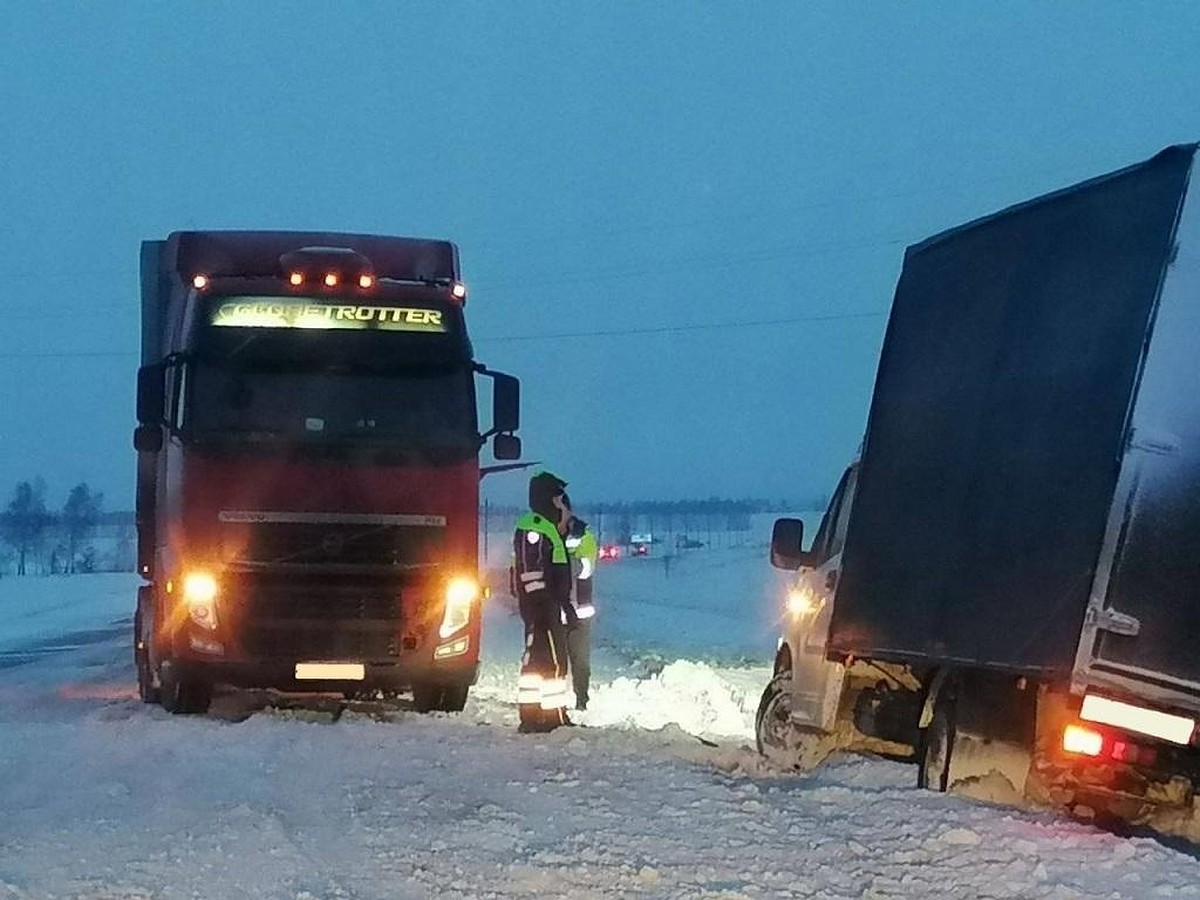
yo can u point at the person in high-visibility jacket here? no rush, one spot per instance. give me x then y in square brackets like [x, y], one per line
[542, 579]
[584, 551]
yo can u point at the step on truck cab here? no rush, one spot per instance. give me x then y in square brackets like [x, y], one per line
[1006, 588]
[308, 467]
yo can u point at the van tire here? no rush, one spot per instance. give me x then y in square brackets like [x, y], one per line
[937, 744]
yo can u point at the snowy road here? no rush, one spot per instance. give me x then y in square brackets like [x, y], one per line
[108, 797]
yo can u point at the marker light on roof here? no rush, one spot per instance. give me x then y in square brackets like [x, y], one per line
[331, 279]
[459, 290]
[200, 282]
[365, 281]
[296, 278]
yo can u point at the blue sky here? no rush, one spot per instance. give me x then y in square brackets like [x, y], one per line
[681, 223]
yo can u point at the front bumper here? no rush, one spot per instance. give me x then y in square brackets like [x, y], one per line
[393, 675]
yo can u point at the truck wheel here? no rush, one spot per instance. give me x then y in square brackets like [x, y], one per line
[779, 738]
[147, 689]
[432, 696]
[937, 744]
[180, 696]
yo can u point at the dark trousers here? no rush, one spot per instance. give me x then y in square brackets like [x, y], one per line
[579, 653]
[541, 690]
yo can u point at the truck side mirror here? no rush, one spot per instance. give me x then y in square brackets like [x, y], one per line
[506, 446]
[506, 405]
[147, 438]
[151, 388]
[787, 542]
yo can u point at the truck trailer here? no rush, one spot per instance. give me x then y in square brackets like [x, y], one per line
[1005, 588]
[308, 467]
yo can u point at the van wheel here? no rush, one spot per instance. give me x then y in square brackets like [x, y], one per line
[147, 689]
[183, 696]
[432, 696]
[778, 738]
[937, 744]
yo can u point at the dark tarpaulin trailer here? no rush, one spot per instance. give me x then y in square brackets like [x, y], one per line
[1001, 416]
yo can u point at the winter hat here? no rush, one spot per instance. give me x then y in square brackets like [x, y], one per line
[543, 488]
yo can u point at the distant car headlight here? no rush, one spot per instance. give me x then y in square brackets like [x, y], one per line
[461, 594]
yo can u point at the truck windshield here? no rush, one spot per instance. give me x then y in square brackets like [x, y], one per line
[393, 374]
[427, 412]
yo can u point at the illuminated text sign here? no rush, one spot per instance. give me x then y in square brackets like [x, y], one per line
[286, 312]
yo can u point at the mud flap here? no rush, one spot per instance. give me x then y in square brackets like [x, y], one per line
[993, 737]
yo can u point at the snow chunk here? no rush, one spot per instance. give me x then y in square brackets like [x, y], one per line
[693, 695]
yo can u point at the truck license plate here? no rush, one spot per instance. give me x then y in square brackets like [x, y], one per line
[323, 671]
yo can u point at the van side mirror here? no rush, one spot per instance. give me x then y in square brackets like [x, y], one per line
[787, 542]
[151, 391]
[506, 446]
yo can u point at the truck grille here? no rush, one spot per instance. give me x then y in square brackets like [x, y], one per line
[318, 619]
[332, 544]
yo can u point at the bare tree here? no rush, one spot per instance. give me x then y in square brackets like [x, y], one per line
[26, 520]
[80, 514]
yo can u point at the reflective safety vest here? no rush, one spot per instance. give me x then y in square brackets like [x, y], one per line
[537, 546]
[584, 552]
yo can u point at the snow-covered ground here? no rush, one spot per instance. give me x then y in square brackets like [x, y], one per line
[661, 795]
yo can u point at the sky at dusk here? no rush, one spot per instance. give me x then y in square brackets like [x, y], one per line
[681, 223]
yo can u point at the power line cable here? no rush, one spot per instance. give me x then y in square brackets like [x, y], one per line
[677, 329]
[548, 336]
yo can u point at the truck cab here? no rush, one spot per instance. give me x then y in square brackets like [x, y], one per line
[308, 467]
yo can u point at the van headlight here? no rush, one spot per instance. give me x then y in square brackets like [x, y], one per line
[802, 602]
[461, 594]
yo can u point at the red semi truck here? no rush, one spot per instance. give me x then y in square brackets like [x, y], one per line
[308, 467]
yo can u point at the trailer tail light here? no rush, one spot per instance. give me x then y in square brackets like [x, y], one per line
[1124, 751]
[1082, 740]
[296, 278]
[1176, 729]
[200, 282]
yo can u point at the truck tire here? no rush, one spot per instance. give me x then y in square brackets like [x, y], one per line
[183, 696]
[433, 696]
[778, 738]
[147, 689]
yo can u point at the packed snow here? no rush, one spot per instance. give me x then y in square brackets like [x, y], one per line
[661, 794]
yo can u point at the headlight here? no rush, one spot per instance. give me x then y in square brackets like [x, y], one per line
[802, 602]
[460, 594]
[200, 595]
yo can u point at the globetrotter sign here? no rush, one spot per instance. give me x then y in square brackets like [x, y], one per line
[288, 312]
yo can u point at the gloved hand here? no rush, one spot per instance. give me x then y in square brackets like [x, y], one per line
[570, 617]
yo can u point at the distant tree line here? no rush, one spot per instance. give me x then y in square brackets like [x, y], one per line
[41, 540]
[715, 519]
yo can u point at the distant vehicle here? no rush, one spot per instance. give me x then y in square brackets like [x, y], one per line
[609, 551]
[308, 467]
[639, 544]
[1004, 588]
